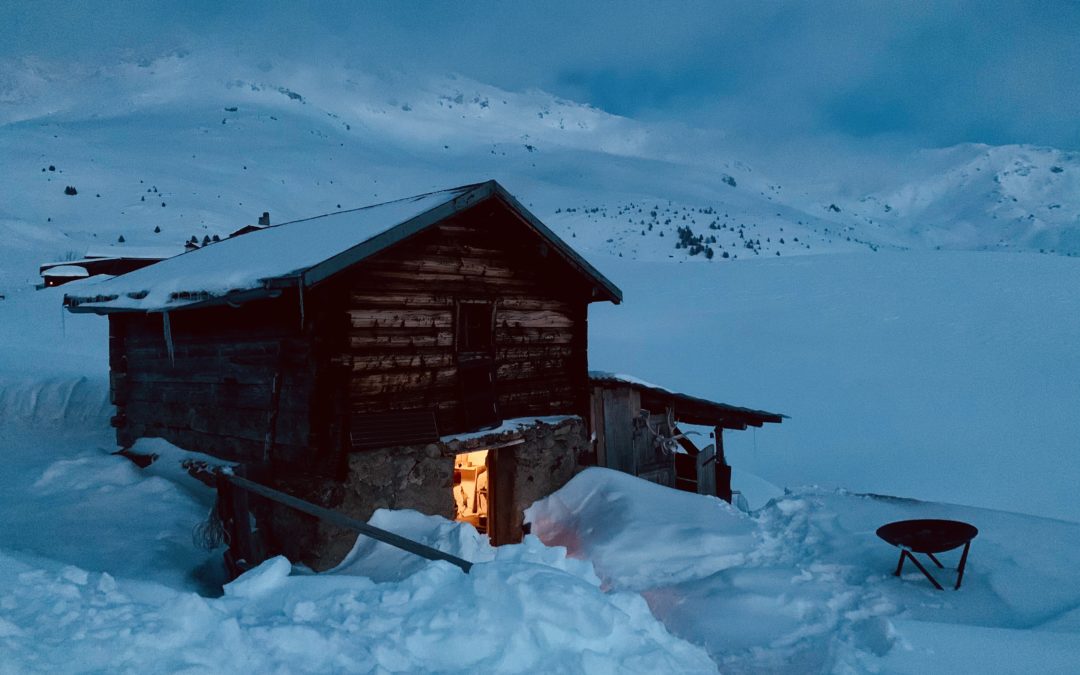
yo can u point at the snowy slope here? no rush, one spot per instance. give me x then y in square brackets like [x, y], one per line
[197, 144]
[948, 377]
[982, 197]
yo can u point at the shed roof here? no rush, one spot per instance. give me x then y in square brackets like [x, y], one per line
[65, 271]
[688, 409]
[302, 253]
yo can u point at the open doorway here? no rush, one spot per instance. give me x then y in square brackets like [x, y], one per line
[472, 490]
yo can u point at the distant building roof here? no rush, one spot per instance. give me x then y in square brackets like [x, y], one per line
[688, 409]
[135, 252]
[248, 229]
[302, 253]
[65, 271]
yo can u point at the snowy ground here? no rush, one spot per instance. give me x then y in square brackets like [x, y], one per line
[877, 369]
[804, 585]
[946, 377]
[98, 572]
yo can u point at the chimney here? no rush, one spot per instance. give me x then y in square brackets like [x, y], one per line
[264, 219]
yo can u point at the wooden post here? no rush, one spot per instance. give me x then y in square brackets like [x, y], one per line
[244, 555]
[723, 471]
[504, 526]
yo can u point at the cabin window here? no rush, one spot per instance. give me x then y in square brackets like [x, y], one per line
[475, 326]
[472, 489]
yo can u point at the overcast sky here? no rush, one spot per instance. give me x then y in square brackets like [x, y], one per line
[910, 73]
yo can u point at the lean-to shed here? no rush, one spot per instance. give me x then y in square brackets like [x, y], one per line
[636, 429]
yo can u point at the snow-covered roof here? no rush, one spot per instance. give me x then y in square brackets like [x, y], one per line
[302, 252]
[66, 271]
[690, 409]
[136, 252]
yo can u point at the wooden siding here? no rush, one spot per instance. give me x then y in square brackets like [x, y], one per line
[401, 321]
[238, 379]
[380, 337]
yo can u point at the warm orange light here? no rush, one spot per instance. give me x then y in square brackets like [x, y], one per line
[471, 488]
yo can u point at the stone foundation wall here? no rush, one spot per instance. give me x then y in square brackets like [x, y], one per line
[542, 458]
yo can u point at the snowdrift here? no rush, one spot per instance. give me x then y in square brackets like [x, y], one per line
[804, 585]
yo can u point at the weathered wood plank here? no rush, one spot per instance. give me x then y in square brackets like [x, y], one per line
[547, 319]
[384, 361]
[252, 426]
[386, 338]
[400, 318]
[519, 336]
[532, 370]
[361, 298]
[619, 412]
[402, 381]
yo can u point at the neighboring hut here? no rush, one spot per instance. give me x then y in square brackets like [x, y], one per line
[109, 261]
[58, 275]
[339, 356]
[636, 428]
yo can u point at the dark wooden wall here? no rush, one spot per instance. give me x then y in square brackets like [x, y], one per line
[401, 319]
[217, 394]
[377, 338]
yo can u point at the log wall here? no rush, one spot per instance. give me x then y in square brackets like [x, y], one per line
[401, 321]
[238, 380]
[379, 337]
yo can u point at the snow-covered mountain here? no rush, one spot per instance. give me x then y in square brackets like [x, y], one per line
[981, 197]
[906, 371]
[185, 145]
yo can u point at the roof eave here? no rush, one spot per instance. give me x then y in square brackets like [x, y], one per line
[729, 416]
[235, 298]
[607, 289]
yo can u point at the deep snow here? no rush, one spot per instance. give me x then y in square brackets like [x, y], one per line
[944, 376]
[804, 585]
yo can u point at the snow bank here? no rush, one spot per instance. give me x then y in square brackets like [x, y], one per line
[528, 610]
[53, 368]
[617, 521]
[54, 401]
[65, 496]
[804, 585]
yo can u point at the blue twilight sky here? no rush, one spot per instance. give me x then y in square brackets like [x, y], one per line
[872, 72]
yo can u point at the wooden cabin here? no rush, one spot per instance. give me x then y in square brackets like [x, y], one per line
[340, 355]
[428, 353]
[637, 430]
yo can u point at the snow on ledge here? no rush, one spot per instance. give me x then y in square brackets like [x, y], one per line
[510, 426]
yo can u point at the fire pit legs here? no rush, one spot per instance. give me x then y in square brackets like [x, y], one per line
[905, 553]
[963, 563]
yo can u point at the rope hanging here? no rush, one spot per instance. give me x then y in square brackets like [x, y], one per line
[210, 534]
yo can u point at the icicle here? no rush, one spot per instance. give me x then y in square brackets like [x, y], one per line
[300, 290]
[63, 322]
[168, 338]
